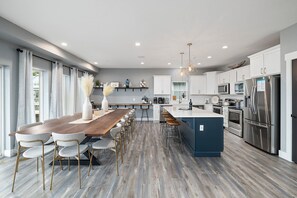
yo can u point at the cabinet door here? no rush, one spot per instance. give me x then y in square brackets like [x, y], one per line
[162, 85]
[166, 85]
[243, 73]
[256, 67]
[211, 83]
[197, 84]
[272, 62]
[232, 81]
[156, 110]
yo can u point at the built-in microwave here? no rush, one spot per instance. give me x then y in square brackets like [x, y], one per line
[224, 88]
[239, 88]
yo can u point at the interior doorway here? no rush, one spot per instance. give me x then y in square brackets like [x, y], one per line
[294, 110]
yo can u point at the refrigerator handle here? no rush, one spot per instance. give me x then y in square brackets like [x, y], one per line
[252, 100]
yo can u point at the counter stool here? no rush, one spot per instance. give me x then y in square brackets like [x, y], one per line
[173, 132]
[144, 110]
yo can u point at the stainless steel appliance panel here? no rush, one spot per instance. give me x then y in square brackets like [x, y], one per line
[262, 98]
[261, 113]
[265, 137]
[235, 123]
[224, 88]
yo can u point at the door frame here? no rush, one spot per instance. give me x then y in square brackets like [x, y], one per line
[287, 154]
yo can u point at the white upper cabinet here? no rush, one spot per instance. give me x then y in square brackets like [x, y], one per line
[265, 63]
[243, 73]
[162, 84]
[224, 78]
[232, 80]
[211, 82]
[197, 84]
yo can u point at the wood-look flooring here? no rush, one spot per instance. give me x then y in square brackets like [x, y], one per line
[150, 170]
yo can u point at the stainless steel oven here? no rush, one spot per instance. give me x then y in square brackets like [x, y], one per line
[224, 88]
[235, 123]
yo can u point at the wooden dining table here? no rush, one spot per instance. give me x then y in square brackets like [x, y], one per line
[93, 130]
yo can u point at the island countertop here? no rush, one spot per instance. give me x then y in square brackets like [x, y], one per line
[176, 112]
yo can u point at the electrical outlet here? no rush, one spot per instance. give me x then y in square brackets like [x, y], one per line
[201, 127]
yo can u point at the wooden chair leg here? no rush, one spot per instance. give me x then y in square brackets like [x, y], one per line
[79, 174]
[43, 172]
[16, 167]
[53, 169]
[90, 166]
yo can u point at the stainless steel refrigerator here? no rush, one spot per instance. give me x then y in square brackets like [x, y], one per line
[262, 113]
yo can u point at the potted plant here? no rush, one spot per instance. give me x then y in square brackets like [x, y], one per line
[97, 83]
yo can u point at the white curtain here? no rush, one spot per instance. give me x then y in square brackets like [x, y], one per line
[73, 91]
[26, 114]
[56, 104]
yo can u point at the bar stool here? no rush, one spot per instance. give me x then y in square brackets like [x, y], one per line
[174, 131]
[146, 112]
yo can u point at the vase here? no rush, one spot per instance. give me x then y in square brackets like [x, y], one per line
[104, 104]
[87, 110]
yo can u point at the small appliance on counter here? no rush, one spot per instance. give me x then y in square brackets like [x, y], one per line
[155, 100]
[161, 100]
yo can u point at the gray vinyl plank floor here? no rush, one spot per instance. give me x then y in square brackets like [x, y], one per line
[151, 170]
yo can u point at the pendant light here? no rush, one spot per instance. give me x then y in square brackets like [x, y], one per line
[189, 66]
[181, 64]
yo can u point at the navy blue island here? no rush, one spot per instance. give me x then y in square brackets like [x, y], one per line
[202, 131]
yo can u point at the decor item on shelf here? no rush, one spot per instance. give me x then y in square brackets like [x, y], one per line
[97, 83]
[144, 99]
[127, 83]
[114, 84]
[101, 84]
[142, 83]
[107, 90]
[87, 82]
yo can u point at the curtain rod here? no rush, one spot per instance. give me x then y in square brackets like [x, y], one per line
[19, 50]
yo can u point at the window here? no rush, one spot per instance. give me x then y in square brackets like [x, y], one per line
[80, 96]
[36, 91]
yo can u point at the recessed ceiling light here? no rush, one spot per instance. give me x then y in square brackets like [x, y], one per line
[209, 57]
[169, 63]
[142, 63]
[225, 47]
[198, 63]
[64, 44]
[96, 63]
[137, 44]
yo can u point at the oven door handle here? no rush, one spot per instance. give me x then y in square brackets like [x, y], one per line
[255, 124]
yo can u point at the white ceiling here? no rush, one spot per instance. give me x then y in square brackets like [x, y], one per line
[105, 31]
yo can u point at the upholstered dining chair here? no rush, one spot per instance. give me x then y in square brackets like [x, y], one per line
[37, 149]
[113, 143]
[71, 147]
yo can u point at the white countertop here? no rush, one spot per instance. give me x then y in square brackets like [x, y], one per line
[194, 113]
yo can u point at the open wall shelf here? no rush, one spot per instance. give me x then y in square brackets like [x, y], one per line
[125, 88]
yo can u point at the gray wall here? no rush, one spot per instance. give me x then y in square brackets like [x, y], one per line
[135, 76]
[288, 41]
[9, 58]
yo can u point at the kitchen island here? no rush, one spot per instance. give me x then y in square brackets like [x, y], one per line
[202, 131]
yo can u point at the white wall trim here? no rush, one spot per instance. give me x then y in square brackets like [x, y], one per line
[287, 154]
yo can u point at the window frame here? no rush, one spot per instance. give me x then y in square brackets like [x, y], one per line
[2, 99]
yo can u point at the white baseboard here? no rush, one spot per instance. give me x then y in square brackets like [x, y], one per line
[10, 153]
[284, 155]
